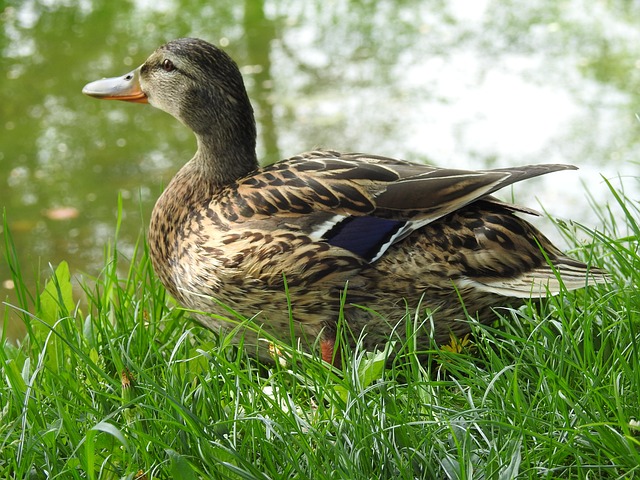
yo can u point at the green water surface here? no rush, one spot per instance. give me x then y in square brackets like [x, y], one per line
[469, 84]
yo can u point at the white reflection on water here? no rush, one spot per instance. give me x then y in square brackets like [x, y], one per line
[468, 93]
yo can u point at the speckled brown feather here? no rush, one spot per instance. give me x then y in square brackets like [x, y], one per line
[225, 232]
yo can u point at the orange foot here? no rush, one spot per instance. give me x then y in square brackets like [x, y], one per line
[329, 354]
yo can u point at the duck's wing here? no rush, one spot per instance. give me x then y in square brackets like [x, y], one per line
[359, 202]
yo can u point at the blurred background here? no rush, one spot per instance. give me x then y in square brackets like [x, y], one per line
[455, 83]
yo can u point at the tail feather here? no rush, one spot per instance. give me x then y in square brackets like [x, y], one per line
[566, 273]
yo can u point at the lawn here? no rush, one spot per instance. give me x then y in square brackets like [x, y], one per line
[119, 382]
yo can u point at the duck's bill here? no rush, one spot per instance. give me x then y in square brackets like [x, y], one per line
[126, 88]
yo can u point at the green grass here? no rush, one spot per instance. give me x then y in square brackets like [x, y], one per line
[127, 383]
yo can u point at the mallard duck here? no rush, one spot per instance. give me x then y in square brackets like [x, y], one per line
[324, 231]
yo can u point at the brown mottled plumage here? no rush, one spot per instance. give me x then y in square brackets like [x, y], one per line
[389, 231]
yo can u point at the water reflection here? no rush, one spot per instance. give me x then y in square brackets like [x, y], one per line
[465, 84]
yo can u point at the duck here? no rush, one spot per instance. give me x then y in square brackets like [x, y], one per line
[326, 240]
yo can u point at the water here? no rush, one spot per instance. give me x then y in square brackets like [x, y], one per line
[455, 83]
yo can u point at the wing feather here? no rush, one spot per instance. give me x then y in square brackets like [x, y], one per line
[401, 195]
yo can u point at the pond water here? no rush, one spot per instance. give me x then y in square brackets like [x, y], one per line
[455, 83]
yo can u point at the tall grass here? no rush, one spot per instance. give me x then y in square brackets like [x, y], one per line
[127, 386]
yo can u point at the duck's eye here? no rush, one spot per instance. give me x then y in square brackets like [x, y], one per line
[168, 65]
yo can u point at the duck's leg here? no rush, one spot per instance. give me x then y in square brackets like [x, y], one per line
[328, 350]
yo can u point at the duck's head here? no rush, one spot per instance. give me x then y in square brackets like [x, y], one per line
[194, 81]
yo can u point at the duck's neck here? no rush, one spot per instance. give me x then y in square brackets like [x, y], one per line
[221, 163]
